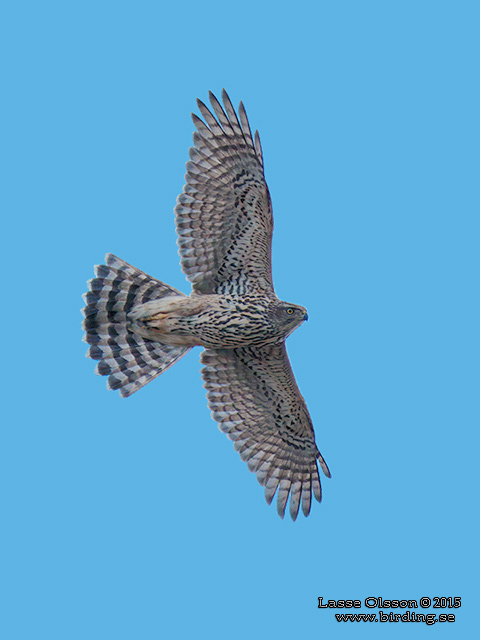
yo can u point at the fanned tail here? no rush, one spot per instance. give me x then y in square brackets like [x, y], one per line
[129, 361]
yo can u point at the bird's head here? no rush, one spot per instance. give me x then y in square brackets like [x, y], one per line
[288, 316]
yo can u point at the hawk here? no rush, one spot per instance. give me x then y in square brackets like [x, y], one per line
[137, 326]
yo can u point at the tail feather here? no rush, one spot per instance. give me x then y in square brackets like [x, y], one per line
[129, 360]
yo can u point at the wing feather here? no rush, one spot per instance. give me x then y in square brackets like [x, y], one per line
[224, 214]
[254, 397]
[245, 125]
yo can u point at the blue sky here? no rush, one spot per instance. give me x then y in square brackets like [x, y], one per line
[135, 518]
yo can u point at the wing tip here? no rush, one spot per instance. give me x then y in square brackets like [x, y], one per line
[323, 465]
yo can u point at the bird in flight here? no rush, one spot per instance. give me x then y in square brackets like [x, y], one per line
[137, 326]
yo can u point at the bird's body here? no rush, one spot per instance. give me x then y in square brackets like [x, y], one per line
[137, 326]
[216, 321]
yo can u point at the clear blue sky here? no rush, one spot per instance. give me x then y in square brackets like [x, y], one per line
[135, 518]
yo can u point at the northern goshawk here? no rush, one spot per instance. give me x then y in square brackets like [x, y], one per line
[137, 326]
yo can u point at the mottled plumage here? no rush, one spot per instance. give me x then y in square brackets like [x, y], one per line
[137, 327]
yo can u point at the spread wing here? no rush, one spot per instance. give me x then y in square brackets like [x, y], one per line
[224, 214]
[254, 397]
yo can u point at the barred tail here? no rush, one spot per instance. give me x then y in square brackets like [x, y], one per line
[129, 361]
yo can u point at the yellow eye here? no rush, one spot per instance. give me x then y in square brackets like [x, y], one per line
[290, 311]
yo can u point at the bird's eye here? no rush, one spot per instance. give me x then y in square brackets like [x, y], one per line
[290, 311]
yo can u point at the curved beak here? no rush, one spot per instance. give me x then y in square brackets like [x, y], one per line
[305, 316]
